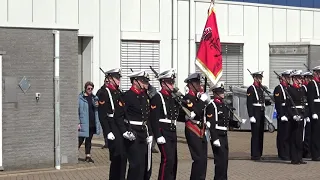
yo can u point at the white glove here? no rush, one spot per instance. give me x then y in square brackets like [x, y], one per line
[217, 143]
[314, 116]
[192, 115]
[149, 139]
[111, 136]
[243, 121]
[208, 124]
[161, 140]
[307, 119]
[129, 135]
[253, 120]
[296, 118]
[203, 97]
[284, 118]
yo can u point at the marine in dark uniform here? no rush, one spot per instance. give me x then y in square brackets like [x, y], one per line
[314, 107]
[217, 113]
[296, 115]
[111, 113]
[256, 110]
[195, 126]
[137, 120]
[163, 117]
[307, 77]
[283, 126]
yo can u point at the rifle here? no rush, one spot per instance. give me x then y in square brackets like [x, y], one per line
[288, 95]
[270, 125]
[306, 67]
[176, 94]
[120, 97]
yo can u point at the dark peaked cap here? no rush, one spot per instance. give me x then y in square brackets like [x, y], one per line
[193, 76]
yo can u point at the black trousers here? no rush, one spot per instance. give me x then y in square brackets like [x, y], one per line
[221, 157]
[315, 138]
[117, 157]
[257, 133]
[283, 139]
[296, 140]
[105, 134]
[137, 153]
[199, 154]
[87, 140]
[169, 158]
[307, 140]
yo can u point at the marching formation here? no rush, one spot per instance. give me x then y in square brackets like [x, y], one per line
[297, 103]
[131, 120]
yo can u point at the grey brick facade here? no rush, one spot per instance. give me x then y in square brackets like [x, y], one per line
[28, 126]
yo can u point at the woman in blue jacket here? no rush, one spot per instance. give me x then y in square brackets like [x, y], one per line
[89, 119]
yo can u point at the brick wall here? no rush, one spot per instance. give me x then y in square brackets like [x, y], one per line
[28, 126]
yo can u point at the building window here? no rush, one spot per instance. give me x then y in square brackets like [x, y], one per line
[139, 55]
[232, 64]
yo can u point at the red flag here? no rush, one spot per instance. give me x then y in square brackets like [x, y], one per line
[209, 57]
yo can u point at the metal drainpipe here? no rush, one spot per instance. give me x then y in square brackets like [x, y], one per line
[174, 40]
[57, 99]
[191, 36]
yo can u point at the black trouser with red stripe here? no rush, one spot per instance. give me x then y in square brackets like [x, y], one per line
[296, 141]
[257, 133]
[199, 153]
[168, 165]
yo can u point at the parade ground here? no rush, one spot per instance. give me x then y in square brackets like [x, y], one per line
[240, 167]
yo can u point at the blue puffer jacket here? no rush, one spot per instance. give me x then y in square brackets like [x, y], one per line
[83, 112]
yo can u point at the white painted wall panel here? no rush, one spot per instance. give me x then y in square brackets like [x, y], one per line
[44, 11]
[201, 16]
[279, 25]
[110, 36]
[235, 20]
[67, 12]
[150, 16]
[88, 17]
[265, 37]
[20, 11]
[222, 18]
[183, 36]
[316, 21]
[251, 35]
[293, 25]
[165, 34]
[3, 11]
[130, 15]
[306, 20]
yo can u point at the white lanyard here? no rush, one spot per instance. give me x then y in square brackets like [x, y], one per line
[111, 100]
[284, 94]
[163, 105]
[317, 89]
[255, 91]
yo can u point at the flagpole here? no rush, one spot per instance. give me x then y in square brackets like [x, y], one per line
[205, 78]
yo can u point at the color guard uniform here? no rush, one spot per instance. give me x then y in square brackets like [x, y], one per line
[307, 115]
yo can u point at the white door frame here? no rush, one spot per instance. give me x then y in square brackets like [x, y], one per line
[1, 166]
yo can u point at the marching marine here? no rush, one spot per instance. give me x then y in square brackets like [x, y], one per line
[163, 117]
[195, 126]
[283, 126]
[111, 112]
[307, 77]
[256, 110]
[220, 121]
[139, 142]
[296, 115]
[314, 107]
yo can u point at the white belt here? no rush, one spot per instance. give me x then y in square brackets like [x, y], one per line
[283, 104]
[138, 123]
[257, 104]
[221, 128]
[169, 121]
[298, 107]
[110, 115]
[316, 100]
